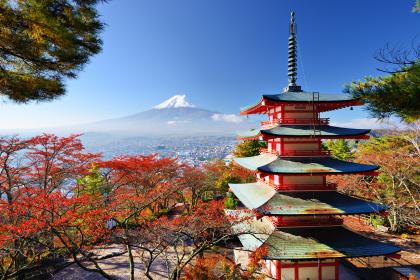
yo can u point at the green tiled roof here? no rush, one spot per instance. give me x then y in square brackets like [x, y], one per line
[305, 96]
[253, 195]
[304, 242]
[249, 106]
[251, 232]
[252, 163]
[305, 131]
[311, 165]
[407, 270]
[323, 242]
[266, 200]
[249, 133]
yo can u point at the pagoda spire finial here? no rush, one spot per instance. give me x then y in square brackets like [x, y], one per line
[292, 57]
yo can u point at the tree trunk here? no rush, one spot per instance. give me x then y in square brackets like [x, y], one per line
[131, 261]
[147, 274]
[392, 220]
[176, 274]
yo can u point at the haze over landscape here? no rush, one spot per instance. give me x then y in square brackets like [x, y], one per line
[220, 63]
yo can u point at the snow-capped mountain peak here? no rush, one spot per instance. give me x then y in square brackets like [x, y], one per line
[176, 101]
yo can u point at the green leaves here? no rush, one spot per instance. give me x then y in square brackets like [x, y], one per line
[44, 42]
[230, 202]
[249, 148]
[93, 183]
[416, 8]
[396, 94]
[340, 149]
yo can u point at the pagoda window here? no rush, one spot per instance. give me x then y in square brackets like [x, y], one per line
[269, 146]
[303, 180]
[276, 180]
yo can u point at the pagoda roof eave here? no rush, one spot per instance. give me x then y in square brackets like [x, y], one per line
[314, 165]
[305, 97]
[252, 163]
[303, 243]
[252, 134]
[264, 199]
[327, 102]
[323, 243]
[257, 108]
[297, 131]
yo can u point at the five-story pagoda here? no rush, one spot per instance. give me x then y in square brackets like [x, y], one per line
[296, 213]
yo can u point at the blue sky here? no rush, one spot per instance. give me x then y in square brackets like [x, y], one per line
[223, 54]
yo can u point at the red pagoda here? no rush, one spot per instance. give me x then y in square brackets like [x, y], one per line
[296, 213]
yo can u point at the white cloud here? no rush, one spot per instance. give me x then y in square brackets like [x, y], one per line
[232, 118]
[372, 123]
[171, 122]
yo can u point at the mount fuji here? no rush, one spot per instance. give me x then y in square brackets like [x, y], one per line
[176, 101]
[175, 116]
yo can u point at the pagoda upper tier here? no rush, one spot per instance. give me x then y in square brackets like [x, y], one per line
[272, 164]
[322, 101]
[301, 131]
[266, 200]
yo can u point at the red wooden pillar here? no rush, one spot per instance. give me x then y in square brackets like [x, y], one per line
[282, 112]
[281, 146]
[281, 181]
[337, 270]
[319, 270]
[296, 271]
[278, 270]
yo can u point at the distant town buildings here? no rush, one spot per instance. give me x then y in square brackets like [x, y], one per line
[191, 150]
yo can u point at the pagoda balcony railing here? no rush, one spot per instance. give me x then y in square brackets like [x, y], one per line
[267, 151]
[270, 123]
[312, 121]
[295, 153]
[314, 222]
[305, 121]
[304, 153]
[300, 187]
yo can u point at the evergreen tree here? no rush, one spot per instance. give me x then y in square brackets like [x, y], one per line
[416, 8]
[398, 92]
[395, 94]
[93, 183]
[230, 201]
[226, 179]
[339, 149]
[43, 42]
[249, 148]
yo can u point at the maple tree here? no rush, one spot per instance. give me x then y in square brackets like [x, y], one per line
[397, 183]
[217, 266]
[36, 199]
[193, 187]
[61, 205]
[219, 175]
[142, 186]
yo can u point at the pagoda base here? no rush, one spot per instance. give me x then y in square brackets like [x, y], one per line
[323, 269]
[303, 270]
